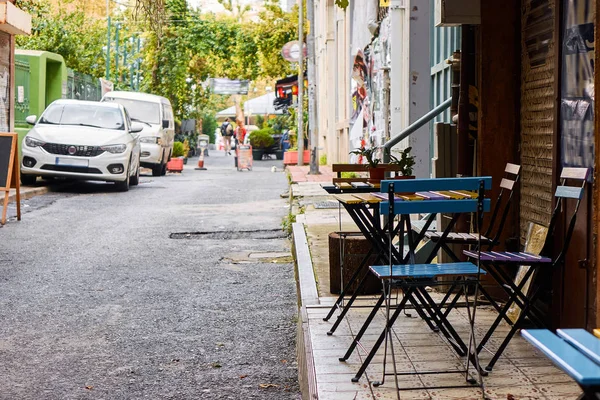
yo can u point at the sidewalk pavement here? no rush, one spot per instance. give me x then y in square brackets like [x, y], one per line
[521, 373]
[302, 174]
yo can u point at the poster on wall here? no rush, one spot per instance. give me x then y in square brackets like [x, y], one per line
[4, 82]
[577, 84]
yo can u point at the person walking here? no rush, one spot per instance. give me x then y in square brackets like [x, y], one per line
[227, 133]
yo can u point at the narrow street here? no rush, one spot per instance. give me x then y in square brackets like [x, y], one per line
[181, 288]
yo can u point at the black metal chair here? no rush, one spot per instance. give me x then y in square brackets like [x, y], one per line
[495, 262]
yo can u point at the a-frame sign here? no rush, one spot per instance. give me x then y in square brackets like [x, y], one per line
[9, 171]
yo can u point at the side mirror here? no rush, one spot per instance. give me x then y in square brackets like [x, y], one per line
[136, 127]
[31, 119]
[165, 123]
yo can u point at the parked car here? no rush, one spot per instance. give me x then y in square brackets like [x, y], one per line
[156, 114]
[82, 140]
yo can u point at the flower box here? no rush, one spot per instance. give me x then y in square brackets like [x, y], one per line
[290, 157]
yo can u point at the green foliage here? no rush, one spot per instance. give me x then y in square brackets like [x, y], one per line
[342, 3]
[209, 125]
[178, 149]
[260, 122]
[72, 34]
[406, 162]
[280, 123]
[262, 139]
[323, 159]
[350, 175]
[369, 154]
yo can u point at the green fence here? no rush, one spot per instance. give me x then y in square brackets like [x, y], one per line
[83, 87]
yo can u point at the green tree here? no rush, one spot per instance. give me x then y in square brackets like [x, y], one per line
[73, 35]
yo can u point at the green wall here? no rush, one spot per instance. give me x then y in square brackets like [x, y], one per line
[48, 75]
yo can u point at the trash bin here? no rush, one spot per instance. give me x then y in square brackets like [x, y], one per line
[355, 248]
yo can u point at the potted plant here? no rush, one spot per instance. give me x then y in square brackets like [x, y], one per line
[260, 141]
[376, 173]
[406, 163]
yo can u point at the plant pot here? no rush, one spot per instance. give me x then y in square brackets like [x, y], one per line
[279, 154]
[257, 154]
[376, 174]
[290, 157]
[175, 164]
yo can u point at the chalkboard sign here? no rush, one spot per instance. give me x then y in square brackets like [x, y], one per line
[9, 172]
[6, 151]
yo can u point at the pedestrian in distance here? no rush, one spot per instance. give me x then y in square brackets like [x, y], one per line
[227, 133]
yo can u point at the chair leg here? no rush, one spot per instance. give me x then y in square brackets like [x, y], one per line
[377, 344]
[354, 277]
[524, 312]
[363, 329]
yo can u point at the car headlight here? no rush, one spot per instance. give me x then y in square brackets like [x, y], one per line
[31, 142]
[150, 139]
[114, 148]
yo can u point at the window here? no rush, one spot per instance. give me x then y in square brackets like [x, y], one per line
[83, 115]
[143, 111]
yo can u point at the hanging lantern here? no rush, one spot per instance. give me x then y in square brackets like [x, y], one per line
[295, 90]
[280, 92]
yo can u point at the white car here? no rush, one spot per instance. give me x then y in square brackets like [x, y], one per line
[82, 140]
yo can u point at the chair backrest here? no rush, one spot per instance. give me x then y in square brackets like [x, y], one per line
[339, 168]
[512, 173]
[470, 184]
[564, 192]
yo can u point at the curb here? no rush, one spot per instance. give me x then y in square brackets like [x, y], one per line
[28, 193]
[307, 296]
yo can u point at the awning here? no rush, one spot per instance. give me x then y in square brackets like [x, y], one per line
[262, 105]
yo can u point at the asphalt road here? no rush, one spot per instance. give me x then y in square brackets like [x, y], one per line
[181, 288]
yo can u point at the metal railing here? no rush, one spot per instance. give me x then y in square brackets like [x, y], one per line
[413, 128]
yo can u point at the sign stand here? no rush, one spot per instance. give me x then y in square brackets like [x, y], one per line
[244, 157]
[9, 171]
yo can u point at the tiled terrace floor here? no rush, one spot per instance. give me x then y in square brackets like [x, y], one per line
[521, 373]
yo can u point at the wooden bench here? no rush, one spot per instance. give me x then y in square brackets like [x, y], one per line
[575, 351]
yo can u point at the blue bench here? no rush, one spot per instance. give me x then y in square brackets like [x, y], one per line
[575, 351]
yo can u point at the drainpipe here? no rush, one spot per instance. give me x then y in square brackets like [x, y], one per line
[300, 133]
[464, 157]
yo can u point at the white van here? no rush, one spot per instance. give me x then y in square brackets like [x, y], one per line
[156, 115]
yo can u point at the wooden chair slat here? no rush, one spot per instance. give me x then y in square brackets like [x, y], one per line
[368, 197]
[348, 180]
[569, 192]
[582, 340]
[437, 184]
[569, 359]
[512, 169]
[347, 198]
[507, 184]
[349, 167]
[575, 173]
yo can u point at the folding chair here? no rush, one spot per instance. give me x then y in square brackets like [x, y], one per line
[494, 263]
[413, 278]
[504, 201]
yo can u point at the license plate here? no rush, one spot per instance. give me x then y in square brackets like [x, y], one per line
[71, 162]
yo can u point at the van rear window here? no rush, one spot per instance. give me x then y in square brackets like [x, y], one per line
[139, 110]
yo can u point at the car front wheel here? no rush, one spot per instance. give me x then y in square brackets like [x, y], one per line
[28, 180]
[135, 179]
[123, 186]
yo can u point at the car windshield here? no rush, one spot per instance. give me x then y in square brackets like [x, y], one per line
[83, 115]
[139, 110]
